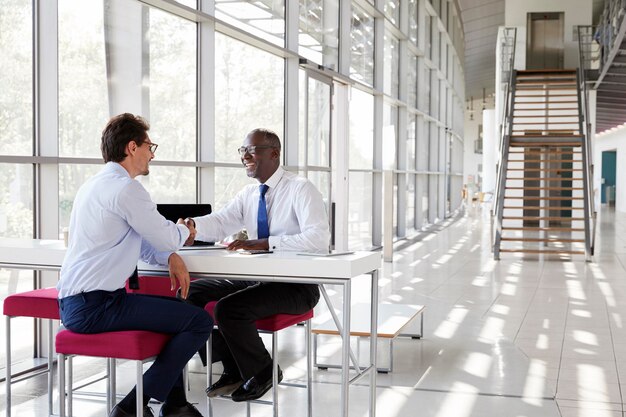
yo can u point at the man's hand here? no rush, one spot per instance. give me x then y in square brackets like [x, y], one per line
[191, 225]
[179, 274]
[257, 244]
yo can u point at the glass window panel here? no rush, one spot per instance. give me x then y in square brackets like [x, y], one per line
[82, 69]
[228, 182]
[249, 87]
[71, 177]
[390, 136]
[170, 185]
[22, 328]
[362, 46]
[319, 123]
[173, 86]
[412, 82]
[410, 142]
[321, 180]
[16, 201]
[423, 196]
[426, 89]
[413, 19]
[395, 210]
[16, 80]
[410, 203]
[360, 210]
[392, 10]
[361, 138]
[262, 18]
[423, 147]
[302, 125]
[319, 31]
[391, 65]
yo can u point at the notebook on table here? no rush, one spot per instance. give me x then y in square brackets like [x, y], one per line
[173, 212]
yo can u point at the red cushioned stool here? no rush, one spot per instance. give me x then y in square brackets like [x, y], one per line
[273, 324]
[137, 345]
[39, 304]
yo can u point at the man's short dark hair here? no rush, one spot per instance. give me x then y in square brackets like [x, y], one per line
[121, 130]
[270, 137]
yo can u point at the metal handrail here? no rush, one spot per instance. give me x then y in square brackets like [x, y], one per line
[585, 42]
[505, 133]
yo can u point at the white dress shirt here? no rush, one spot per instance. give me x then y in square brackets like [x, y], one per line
[113, 224]
[295, 212]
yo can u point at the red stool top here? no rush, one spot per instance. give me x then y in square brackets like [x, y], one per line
[40, 303]
[129, 344]
[272, 323]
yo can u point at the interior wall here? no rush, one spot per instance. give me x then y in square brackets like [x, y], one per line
[472, 160]
[576, 12]
[614, 141]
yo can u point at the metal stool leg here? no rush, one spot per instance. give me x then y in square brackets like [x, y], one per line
[139, 403]
[70, 383]
[61, 370]
[50, 364]
[309, 368]
[8, 364]
[209, 371]
[275, 372]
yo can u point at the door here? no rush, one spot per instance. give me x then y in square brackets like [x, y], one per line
[609, 167]
[315, 134]
[544, 41]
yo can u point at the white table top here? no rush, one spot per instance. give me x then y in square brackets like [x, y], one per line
[48, 254]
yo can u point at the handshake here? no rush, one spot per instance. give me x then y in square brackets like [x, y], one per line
[191, 225]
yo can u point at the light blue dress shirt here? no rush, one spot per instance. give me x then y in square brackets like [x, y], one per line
[114, 223]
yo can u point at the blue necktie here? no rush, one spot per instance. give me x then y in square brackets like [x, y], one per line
[263, 228]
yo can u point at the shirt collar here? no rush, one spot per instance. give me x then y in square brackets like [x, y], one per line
[275, 178]
[117, 168]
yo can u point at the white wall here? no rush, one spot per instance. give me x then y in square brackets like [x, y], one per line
[471, 160]
[613, 141]
[576, 12]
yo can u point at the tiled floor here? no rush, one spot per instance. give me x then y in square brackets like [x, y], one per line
[532, 336]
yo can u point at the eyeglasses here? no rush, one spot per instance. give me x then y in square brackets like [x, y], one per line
[152, 147]
[251, 149]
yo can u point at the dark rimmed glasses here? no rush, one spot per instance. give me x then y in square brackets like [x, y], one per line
[251, 149]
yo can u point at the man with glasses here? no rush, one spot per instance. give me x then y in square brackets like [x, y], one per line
[284, 213]
[113, 224]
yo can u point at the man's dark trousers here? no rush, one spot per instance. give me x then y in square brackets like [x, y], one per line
[240, 304]
[104, 311]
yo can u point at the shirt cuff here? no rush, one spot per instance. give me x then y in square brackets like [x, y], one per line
[162, 258]
[184, 232]
[273, 242]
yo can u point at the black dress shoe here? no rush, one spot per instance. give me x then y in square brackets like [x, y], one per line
[187, 410]
[224, 386]
[118, 412]
[256, 386]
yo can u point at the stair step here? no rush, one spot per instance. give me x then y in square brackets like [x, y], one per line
[543, 123]
[567, 161]
[545, 88]
[546, 229]
[536, 144]
[545, 188]
[542, 198]
[539, 239]
[539, 251]
[544, 116]
[545, 151]
[545, 95]
[547, 218]
[546, 169]
[544, 179]
[548, 109]
[543, 208]
[550, 102]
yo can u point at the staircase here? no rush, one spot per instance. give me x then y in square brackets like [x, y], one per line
[542, 200]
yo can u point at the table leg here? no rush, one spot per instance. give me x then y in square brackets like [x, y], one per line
[373, 342]
[345, 350]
